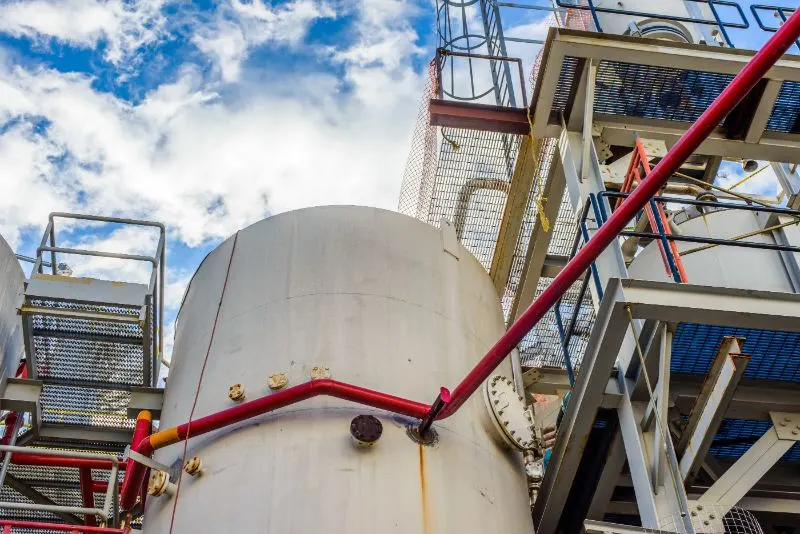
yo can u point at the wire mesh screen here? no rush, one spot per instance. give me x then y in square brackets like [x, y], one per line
[69, 405]
[714, 519]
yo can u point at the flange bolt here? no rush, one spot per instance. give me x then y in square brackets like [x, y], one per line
[236, 393]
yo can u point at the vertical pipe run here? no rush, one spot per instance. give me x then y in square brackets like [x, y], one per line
[87, 494]
[131, 484]
[739, 87]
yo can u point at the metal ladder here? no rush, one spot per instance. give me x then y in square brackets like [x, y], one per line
[89, 344]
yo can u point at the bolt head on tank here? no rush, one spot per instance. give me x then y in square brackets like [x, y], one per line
[319, 372]
[193, 466]
[277, 381]
[366, 430]
[236, 393]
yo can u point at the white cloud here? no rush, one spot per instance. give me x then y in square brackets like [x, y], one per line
[125, 26]
[239, 27]
[203, 164]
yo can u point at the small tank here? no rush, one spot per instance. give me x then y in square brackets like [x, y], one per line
[364, 296]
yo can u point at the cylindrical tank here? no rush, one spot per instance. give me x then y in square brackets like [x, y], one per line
[381, 300]
[647, 19]
[12, 282]
[721, 266]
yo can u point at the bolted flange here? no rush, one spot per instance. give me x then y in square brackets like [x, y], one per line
[193, 466]
[160, 485]
[366, 430]
[236, 393]
[509, 415]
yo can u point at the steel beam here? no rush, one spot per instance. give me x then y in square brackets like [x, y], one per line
[789, 178]
[536, 254]
[608, 481]
[554, 381]
[525, 169]
[753, 399]
[587, 395]
[710, 407]
[734, 484]
[480, 117]
[600, 527]
[765, 106]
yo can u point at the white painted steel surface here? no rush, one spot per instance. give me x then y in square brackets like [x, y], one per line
[12, 281]
[721, 266]
[382, 300]
[652, 26]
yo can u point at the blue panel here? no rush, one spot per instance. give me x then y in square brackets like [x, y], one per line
[786, 113]
[775, 355]
[733, 429]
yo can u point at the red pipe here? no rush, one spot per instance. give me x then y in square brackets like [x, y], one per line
[752, 72]
[86, 494]
[8, 430]
[130, 488]
[37, 525]
[256, 407]
[99, 486]
[20, 458]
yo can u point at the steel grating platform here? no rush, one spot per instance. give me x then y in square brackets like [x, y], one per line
[735, 436]
[775, 355]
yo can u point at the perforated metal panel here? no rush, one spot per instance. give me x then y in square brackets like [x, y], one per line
[786, 113]
[69, 405]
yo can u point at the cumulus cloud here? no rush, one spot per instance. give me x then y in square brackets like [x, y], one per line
[206, 152]
[124, 26]
[238, 27]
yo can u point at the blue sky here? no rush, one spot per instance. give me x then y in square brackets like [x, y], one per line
[207, 115]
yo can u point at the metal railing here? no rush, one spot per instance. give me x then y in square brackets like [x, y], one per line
[597, 205]
[602, 215]
[778, 12]
[712, 4]
[157, 260]
[110, 504]
[441, 58]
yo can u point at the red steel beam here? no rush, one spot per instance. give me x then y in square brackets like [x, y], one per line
[482, 117]
[755, 69]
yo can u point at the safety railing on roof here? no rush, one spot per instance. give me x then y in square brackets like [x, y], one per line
[155, 291]
[780, 13]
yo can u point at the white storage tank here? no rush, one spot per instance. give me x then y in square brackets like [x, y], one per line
[12, 284]
[381, 300]
[723, 266]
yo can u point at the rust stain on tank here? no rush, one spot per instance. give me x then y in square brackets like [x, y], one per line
[423, 491]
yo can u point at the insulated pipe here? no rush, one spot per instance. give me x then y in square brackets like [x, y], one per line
[87, 494]
[752, 72]
[324, 386]
[130, 487]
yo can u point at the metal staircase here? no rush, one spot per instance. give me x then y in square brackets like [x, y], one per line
[90, 345]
